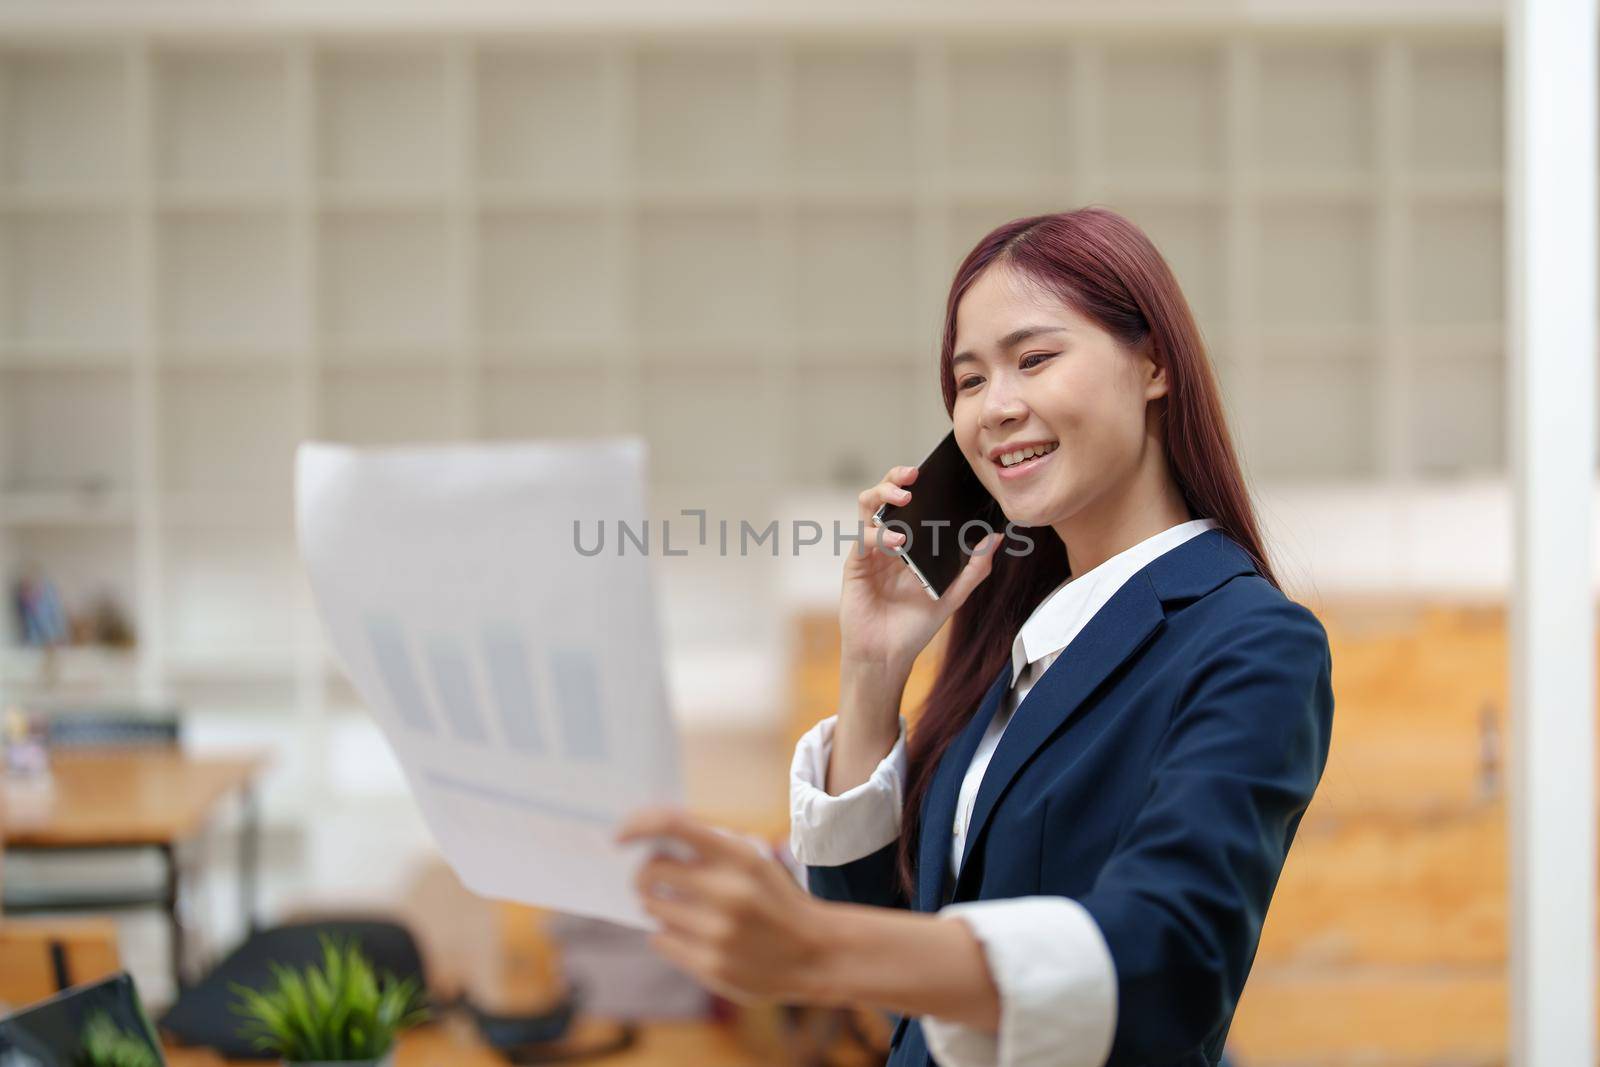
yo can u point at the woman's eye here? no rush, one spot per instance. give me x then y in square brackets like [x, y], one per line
[1039, 356]
[966, 382]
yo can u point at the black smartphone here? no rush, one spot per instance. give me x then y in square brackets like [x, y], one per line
[945, 498]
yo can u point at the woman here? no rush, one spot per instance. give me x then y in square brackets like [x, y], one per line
[1070, 860]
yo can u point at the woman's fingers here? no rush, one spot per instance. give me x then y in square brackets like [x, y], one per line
[689, 956]
[685, 918]
[674, 824]
[891, 490]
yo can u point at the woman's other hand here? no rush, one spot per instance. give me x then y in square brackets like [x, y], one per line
[731, 917]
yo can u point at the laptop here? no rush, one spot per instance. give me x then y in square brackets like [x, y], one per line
[101, 1022]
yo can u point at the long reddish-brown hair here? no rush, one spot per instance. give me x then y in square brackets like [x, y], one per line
[1105, 268]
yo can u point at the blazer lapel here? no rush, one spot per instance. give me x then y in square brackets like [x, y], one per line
[939, 804]
[1120, 628]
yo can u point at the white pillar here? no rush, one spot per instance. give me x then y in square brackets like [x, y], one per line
[1551, 123]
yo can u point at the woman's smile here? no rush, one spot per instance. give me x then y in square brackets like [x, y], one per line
[1027, 466]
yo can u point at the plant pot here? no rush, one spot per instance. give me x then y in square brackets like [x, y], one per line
[386, 1061]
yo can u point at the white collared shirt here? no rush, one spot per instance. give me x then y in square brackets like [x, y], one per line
[1048, 958]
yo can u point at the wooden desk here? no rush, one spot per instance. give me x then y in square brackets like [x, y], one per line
[136, 798]
[454, 1044]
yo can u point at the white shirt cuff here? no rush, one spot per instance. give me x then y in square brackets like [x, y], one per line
[1057, 982]
[827, 831]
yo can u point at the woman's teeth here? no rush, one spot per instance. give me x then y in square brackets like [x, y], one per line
[1011, 459]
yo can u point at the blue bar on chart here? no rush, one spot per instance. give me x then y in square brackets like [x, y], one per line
[506, 658]
[394, 665]
[578, 704]
[452, 680]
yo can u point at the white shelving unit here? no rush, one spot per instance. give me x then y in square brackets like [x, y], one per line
[213, 248]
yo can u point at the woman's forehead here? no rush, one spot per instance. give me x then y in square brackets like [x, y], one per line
[1002, 300]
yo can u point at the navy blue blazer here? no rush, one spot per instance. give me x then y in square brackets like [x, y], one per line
[1156, 774]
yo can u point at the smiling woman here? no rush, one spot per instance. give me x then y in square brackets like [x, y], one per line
[1070, 860]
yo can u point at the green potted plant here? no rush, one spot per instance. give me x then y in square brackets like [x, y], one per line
[105, 1044]
[340, 1012]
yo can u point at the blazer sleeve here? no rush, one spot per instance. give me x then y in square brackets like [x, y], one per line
[1182, 899]
[846, 842]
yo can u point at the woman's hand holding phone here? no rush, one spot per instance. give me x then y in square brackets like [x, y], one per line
[886, 619]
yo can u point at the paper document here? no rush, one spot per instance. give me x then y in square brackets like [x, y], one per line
[518, 679]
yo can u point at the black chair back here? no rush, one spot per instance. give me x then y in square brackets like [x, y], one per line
[203, 1014]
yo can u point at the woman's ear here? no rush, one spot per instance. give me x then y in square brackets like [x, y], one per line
[1152, 373]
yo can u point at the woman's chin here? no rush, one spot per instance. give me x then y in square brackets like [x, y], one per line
[1027, 515]
[1033, 509]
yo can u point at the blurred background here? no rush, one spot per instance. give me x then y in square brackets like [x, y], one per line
[732, 232]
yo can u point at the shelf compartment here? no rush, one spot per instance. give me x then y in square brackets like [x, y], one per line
[386, 278]
[396, 407]
[1163, 111]
[970, 218]
[1457, 416]
[1192, 239]
[220, 509]
[233, 694]
[78, 667]
[68, 120]
[701, 117]
[229, 430]
[227, 279]
[1457, 264]
[854, 113]
[590, 355]
[235, 666]
[1315, 267]
[1316, 418]
[1457, 113]
[65, 508]
[65, 357]
[1008, 118]
[222, 120]
[547, 120]
[532, 402]
[857, 275]
[66, 432]
[553, 277]
[71, 278]
[1315, 110]
[384, 119]
[705, 276]
[234, 357]
[709, 425]
[377, 358]
[848, 427]
[84, 563]
[209, 573]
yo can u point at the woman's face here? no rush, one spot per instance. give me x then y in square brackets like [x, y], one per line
[1031, 371]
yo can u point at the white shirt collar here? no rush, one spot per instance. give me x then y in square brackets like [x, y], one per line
[1068, 609]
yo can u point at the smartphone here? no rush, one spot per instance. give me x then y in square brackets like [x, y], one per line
[946, 495]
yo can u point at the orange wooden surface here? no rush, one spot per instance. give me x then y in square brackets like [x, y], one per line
[27, 973]
[127, 797]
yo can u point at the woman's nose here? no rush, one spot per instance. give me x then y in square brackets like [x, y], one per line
[1001, 404]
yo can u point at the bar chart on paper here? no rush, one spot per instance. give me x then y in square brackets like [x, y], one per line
[518, 679]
